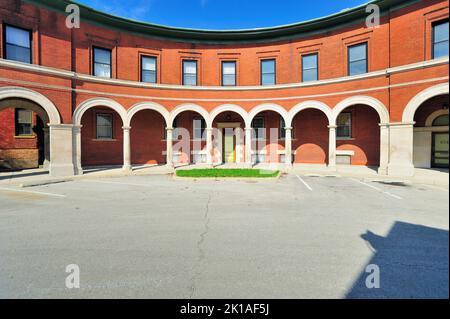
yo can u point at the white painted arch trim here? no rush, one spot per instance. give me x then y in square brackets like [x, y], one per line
[268, 107]
[430, 119]
[86, 105]
[229, 108]
[147, 106]
[416, 101]
[309, 105]
[361, 99]
[36, 97]
[188, 107]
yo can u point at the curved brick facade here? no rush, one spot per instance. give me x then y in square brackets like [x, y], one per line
[400, 67]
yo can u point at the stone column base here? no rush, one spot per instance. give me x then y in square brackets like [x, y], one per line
[61, 170]
[400, 170]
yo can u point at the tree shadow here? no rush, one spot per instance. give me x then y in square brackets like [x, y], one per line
[413, 263]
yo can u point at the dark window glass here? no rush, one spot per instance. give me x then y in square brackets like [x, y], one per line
[440, 39]
[102, 62]
[441, 120]
[258, 128]
[228, 73]
[282, 128]
[268, 72]
[104, 126]
[357, 59]
[189, 72]
[148, 72]
[344, 125]
[24, 122]
[18, 44]
[309, 68]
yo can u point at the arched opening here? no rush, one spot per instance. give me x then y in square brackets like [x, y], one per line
[24, 135]
[189, 137]
[268, 137]
[101, 137]
[430, 139]
[310, 138]
[229, 137]
[358, 136]
[148, 134]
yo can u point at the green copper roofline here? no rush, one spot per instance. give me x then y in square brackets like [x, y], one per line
[295, 30]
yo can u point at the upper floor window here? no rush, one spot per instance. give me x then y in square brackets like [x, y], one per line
[228, 73]
[309, 67]
[190, 72]
[268, 72]
[199, 126]
[148, 69]
[440, 39]
[344, 125]
[102, 62]
[18, 44]
[24, 122]
[357, 59]
[259, 129]
[104, 126]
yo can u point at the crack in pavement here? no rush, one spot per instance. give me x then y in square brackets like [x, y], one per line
[201, 252]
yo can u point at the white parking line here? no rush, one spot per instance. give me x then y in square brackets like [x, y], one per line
[377, 189]
[30, 192]
[304, 183]
[115, 183]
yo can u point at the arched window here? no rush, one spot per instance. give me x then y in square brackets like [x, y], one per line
[441, 120]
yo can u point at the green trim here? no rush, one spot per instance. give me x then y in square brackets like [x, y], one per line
[277, 33]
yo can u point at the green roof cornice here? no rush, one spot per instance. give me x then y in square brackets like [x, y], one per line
[276, 33]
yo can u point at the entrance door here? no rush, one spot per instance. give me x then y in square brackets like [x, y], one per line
[440, 150]
[229, 155]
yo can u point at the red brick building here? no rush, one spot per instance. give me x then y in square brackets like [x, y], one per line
[332, 91]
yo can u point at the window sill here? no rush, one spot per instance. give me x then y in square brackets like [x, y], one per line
[345, 138]
[104, 140]
[25, 137]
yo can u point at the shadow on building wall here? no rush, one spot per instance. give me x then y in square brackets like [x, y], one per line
[413, 263]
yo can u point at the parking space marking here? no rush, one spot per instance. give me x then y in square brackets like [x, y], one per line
[116, 183]
[377, 189]
[30, 192]
[304, 183]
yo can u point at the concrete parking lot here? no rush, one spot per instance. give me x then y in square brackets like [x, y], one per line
[301, 236]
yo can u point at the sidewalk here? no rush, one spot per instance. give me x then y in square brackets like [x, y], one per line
[34, 177]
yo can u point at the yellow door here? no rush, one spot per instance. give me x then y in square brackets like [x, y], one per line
[228, 147]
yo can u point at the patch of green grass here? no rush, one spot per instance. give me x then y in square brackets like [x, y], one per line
[225, 172]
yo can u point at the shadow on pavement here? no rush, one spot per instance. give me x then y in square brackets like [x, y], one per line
[20, 174]
[413, 263]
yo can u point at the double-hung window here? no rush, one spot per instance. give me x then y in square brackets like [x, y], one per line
[357, 59]
[440, 39]
[190, 72]
[148, 69]
[268, 72]
[104, 126]
[259, 129]
[344, 126]
[199, 126]
[310, 67]
[18, 44]
[23, 122]
[102, 62]
[282, 128]
[228, 73]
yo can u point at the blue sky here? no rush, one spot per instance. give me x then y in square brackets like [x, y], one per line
[222, 14]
